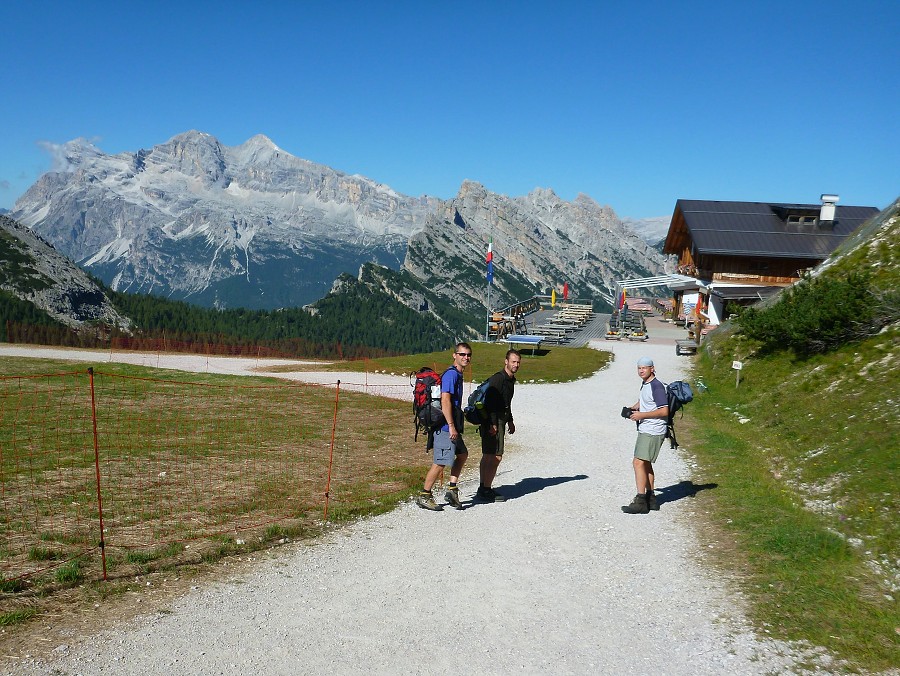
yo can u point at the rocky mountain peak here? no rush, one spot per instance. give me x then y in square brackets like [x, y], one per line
[261, 150]
[470, 188]
[543, 194]
[192, 154]
[71, 155]
[261, 141]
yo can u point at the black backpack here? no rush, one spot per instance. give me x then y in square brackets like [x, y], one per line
[427, 413]
[474, 411]
[678, 393]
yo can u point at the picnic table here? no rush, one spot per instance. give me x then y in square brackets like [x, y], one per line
[532, 340]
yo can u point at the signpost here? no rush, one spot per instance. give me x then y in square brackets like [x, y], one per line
[737, 366]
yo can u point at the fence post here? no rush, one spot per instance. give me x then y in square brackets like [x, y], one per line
[337, 396]
[97, 470]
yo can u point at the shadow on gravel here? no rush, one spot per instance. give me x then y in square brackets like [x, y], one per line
[533, 484]
[683, 489]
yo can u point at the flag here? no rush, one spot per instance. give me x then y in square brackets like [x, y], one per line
[553, 298]
[566, 291]
[490, 262]
[621, 302]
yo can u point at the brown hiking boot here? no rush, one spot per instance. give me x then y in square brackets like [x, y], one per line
[452, 498]
[638, 505]
[426, 501]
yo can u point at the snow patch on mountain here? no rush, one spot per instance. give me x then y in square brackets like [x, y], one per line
[110, 252]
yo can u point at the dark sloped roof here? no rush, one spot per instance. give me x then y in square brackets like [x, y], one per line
[761, 229]
[743, 292]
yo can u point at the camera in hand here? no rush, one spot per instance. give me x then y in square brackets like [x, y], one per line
[626, 412]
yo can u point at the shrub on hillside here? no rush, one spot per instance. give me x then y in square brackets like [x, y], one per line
[816, 315]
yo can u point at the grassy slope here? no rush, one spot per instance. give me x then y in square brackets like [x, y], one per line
[561, 364]
[805, 458]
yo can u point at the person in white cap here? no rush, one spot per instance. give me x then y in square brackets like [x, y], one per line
[649, 412]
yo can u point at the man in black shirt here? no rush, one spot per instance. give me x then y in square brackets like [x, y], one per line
[497, 404]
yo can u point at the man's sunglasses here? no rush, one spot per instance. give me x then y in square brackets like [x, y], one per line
[464, 354]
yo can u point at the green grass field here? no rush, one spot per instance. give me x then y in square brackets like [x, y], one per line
[558, 364]
[805, 455]
[195, 467]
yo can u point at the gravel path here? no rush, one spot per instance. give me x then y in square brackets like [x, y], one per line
[556, 580]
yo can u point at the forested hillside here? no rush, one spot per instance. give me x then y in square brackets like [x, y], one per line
[348, 325]
[16, 311]
[353, 324]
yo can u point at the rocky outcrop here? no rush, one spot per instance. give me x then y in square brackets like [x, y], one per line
[34, 271]
[539, 241]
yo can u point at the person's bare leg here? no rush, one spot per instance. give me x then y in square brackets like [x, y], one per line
[488, 468]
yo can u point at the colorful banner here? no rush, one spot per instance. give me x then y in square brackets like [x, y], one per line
[490, 262]
[565, 291]
[621, 302]
[553, 298]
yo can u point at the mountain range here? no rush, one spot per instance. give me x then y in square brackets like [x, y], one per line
[254, 226]
[249, 226]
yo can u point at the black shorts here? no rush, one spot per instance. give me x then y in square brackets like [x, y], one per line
[492, 444]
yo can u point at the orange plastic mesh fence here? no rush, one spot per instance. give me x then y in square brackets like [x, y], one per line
[48, 497]
[176, 461]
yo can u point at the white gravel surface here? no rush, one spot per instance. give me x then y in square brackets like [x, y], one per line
[556, 580]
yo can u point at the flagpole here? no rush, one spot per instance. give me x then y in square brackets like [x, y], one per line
[490, 280]
[487, 326]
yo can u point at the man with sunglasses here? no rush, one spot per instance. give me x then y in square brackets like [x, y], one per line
[449, 447]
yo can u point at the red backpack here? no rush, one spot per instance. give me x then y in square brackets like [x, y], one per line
[426, 384]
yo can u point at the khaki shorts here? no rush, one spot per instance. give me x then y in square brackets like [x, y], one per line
[647, 446]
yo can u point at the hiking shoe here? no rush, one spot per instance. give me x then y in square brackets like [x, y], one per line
[637, 506]
[651, 501]
[489, 495]
[452, 498]
[427, 502]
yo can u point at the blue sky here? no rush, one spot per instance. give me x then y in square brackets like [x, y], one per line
[635, 104]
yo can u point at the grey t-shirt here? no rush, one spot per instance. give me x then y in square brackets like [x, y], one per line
[653, 396]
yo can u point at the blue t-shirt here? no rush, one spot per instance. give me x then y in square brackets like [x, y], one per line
[452, 382]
